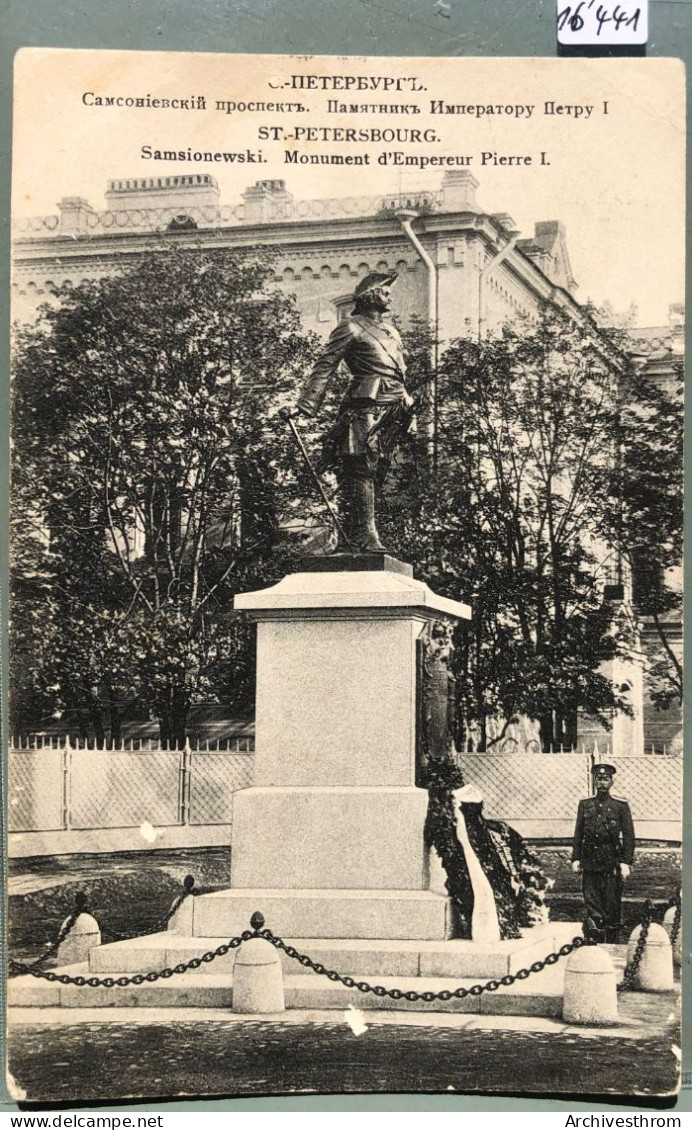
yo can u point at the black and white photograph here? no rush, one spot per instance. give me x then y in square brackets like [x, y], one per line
[345, 728]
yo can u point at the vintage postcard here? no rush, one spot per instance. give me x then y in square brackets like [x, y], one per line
[346, 660]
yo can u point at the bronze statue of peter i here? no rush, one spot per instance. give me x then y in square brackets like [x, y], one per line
[375, 410]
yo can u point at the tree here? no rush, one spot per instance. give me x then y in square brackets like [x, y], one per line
[648, 525]
[513, 522]
[145, 451]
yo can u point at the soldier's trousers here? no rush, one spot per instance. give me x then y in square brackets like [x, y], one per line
[602, 891]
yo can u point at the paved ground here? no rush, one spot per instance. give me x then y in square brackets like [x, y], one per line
[213, 1053]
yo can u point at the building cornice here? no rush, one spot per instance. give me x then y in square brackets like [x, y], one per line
[312, 238]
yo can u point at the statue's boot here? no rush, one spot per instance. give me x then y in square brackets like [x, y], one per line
[365, 534]
[346, 542]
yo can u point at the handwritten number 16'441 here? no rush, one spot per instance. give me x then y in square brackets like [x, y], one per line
[573, 18]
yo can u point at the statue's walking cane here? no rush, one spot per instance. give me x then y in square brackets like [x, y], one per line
[285, 415]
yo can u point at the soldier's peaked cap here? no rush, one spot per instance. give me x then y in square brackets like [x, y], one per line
[603, 768]
[374, 279]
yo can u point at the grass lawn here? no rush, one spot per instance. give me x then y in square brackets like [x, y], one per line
[130, 892]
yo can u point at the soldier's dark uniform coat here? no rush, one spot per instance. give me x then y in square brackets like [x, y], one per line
[603, 839]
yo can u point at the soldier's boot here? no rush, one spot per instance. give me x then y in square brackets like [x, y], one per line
[612, 934]
[363, 516]
[593, 929]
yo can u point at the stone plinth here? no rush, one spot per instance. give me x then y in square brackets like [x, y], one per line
[82, 938]
[336, 676]
[258, 978]
[590, 990]
[359, 563]
[329, 837]
[335, 701]
[334, 807]
[655, 972]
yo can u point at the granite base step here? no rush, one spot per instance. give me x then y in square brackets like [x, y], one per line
[355, 956]
[541, 995]
[408, 965]
[403, 914]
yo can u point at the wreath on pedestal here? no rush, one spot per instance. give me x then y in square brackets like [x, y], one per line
[514, 873]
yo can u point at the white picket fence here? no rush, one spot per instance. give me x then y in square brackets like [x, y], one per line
[539, 794]
[75, 793]
[59, 786]
[50, 741]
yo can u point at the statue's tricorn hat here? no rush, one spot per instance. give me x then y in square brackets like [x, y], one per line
[603, 768]
[374, 279]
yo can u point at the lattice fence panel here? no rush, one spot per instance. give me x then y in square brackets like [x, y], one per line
[652, 785]
[213, 780]
[537, 787]
[35, 792]
[123, 789]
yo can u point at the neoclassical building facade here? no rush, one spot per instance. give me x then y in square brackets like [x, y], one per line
[483, 273]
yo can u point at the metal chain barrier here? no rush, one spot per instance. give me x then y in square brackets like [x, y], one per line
[17, 967]
[142, 978]
[188, 886]
[257, 922]
[399, 994]
[677, 903]
[631, 970]
[258, 931]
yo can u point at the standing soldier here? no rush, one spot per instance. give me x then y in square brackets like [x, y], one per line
[375, 410]
[603, 851]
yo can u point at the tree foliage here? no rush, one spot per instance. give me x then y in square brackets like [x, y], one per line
[649, 524]
[515, 521]
[149, 480]
[151, 483]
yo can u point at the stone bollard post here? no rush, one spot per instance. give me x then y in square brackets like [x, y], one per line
[258, 982]
[655, 972]
[84, 936]
[180, 921]
[590, 993]
[668, 923]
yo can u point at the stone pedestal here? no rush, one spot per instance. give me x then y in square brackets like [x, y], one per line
[334, 807]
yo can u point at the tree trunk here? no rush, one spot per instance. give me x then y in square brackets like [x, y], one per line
[164, 726]
[180, 704]
[546, 724]
[97, 722]
[83, 726]
[173, 716]
[116, 725]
